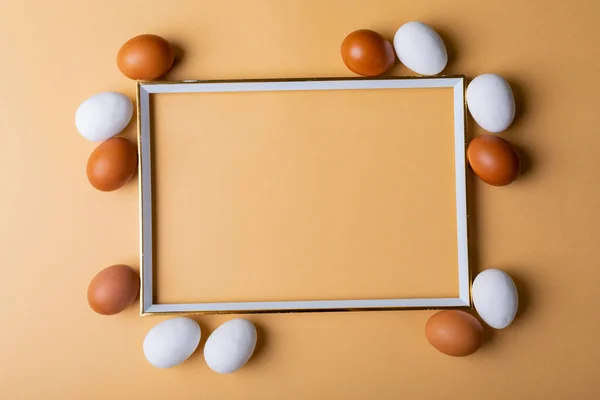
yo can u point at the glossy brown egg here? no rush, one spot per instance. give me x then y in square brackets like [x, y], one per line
[454, 332]
[113, 289]
[493, 160]
[367, 53]
[145, 57]
[112, 164]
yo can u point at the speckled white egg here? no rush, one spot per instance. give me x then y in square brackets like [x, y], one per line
[491, 102]
[420, 48]
[171, 342]
[230, 346]
[103, 116]
[495, 298]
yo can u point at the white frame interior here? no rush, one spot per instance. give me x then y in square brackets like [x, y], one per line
[144, 89]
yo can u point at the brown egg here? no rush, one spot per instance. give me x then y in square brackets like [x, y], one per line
[493, 160]
[454, 332]
[112, 164]
[367, 53]
[145, 57]
[113, 289]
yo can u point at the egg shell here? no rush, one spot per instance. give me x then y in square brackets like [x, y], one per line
[145, 57]
[367, 53]
[495, 298]
[103, 116]
[112, 164]
[420, 48]
[454, 332]
[172, 342]
[230, 346]
[113, 289]
[491, 102]
[493, 160]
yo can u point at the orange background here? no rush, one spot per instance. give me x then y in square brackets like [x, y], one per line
[56, 231]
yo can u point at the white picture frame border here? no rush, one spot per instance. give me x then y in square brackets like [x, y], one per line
[145, 89]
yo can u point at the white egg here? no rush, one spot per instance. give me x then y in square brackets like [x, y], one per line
[491, 102]
[171, 342]
[103, 116]
[230, 346]
[420, 48]
[495, 298]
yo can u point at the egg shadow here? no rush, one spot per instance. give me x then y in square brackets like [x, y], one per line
[525, 159]
[199, 352]
[524, 293]
[489, 333]
[261, 344]
[130, 131]
[521, 104]
[451, 46]
[178, 59]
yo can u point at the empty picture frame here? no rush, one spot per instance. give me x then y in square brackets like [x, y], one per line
[148, 304]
